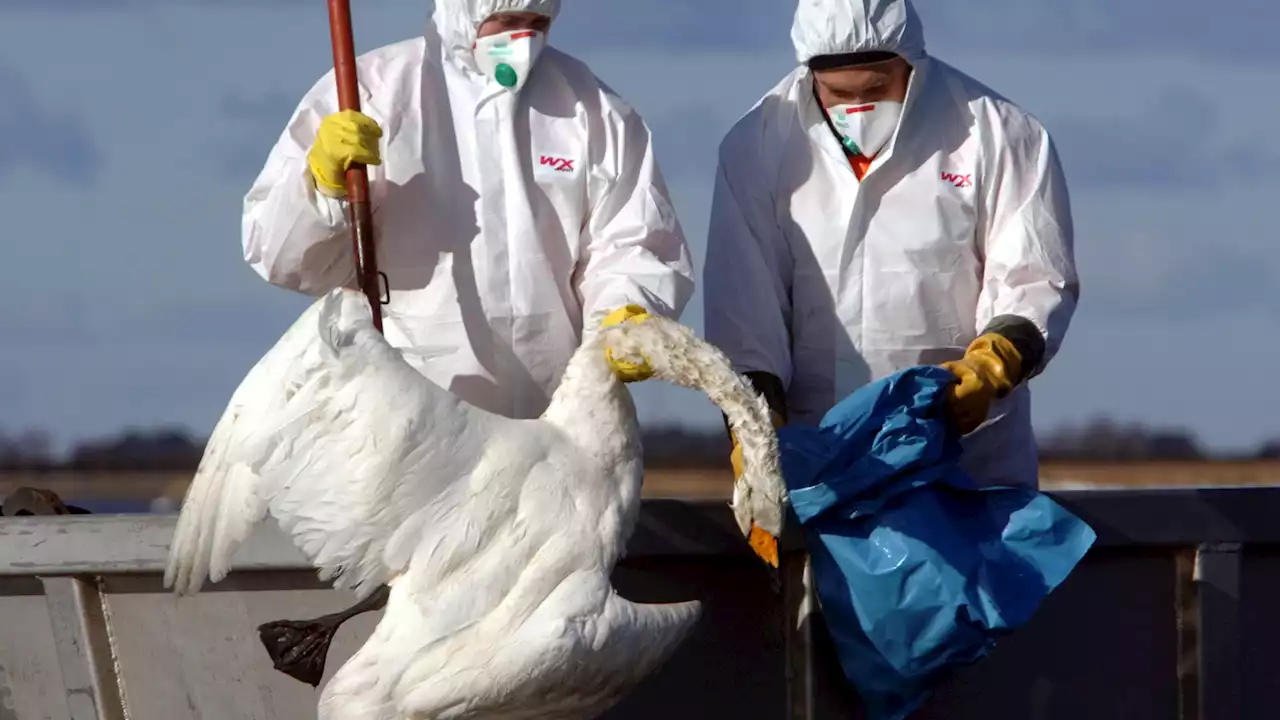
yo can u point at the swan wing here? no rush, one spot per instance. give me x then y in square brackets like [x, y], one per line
[335, 435]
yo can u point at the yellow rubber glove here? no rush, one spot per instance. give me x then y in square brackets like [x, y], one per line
[762, 543]
[344, 138]
[627, 371]
[987, 372]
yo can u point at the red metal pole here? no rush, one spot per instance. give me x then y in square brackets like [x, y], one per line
[344, 65]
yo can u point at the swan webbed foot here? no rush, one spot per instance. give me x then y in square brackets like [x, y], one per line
[298, 648]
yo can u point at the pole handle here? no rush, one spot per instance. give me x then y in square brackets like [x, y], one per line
[361, 214]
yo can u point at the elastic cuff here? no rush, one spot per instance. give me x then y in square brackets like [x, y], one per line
[1025, 338]
[332, 193]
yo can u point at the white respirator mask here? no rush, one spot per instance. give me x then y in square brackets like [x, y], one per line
[864, 129]
[508, 57]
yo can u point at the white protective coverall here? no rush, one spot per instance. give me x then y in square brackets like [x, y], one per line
[505, 223]
[830, 283]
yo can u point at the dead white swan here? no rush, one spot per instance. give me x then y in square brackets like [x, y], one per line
[498, 536]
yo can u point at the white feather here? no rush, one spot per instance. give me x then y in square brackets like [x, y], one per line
[497, 535]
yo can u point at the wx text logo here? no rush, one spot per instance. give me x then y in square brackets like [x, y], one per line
[560, 164]
[960, 181]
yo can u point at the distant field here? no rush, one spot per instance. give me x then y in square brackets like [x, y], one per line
[707, 484]
[1071, 476]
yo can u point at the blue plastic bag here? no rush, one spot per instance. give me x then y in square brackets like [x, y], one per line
[917, 570]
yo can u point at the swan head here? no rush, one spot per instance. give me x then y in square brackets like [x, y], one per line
[759, 494]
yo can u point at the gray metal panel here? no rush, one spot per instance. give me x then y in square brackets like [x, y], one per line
[82, 635]
[1186, 517]
[1260, 634]
[1103, 647]
[1218, 583]
[107, 544]
[31, 685]
[199, 657]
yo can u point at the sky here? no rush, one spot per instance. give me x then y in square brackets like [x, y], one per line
[130, 130]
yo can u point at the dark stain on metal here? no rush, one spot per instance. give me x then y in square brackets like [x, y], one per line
[82, 699]
[7, 709]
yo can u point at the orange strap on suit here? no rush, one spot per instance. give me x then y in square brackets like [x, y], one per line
[860, 164]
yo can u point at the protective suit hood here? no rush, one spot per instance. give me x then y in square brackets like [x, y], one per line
[459, 21]
[834, 27]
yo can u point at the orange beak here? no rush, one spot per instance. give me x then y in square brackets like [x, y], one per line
[764, 545]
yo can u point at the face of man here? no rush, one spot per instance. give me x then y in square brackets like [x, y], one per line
[512, 21]
[861, 84]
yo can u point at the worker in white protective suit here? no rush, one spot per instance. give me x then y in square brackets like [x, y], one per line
[516, 202]
[878, 209]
